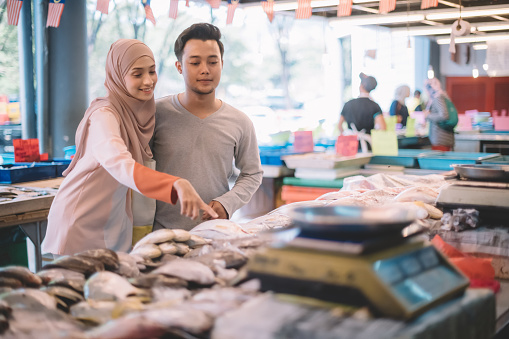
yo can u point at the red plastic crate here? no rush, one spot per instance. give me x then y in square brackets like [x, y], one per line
[291, 194]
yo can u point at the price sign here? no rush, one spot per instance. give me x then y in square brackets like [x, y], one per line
[410, 127]
[465, 122]
[303, 142]
[501, 123]
[384, 142]
[391, 122]
[347, 145]
[26, 150]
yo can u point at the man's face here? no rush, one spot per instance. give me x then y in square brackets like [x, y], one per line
[201, 66]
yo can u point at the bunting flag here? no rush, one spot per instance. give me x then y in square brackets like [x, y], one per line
[386, 6]
[13, 11]
[55, 10]
[303, 9]
[268, 7]
[102, 6]
[214, 3]
[174, 8]
[148, 11]
[429, 3]
[232, 5]
[345, 7]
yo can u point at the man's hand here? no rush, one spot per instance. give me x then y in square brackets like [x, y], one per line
[218, 208]
[190, 201]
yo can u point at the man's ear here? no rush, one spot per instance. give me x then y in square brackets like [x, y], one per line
[179, 66]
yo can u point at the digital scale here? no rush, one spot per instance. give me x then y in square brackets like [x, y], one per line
[398, 278]
[482, 187]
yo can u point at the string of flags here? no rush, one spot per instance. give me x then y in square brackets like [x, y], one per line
[303, 11]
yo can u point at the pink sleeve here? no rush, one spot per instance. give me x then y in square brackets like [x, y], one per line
[111, 153]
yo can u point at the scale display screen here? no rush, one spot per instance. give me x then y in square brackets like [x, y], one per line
[419, 277]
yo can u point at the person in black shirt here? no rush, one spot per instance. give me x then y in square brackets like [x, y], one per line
[363, 113]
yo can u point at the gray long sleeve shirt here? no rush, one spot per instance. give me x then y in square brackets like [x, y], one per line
[202, 151]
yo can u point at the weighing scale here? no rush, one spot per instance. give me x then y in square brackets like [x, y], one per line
[482, 187]
[331, 260]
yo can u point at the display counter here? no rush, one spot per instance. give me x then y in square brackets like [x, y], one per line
[29, 210]
[492, 142]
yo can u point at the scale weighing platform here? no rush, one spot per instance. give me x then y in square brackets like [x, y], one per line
[401, 278]
[482, 187]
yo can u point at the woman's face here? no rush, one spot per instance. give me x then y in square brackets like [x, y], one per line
[141, 79]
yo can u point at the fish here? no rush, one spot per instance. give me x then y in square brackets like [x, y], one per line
[5, 308]
[181, 235]
[108, 257]
[43, 323]
[85, 265]
[152, 280]
[94, 311]
[4, 323]
[63, 277]
[170, 295]
[154, 323]
[21, 273]
[68, 296]
[197, 241]
[156, 237]
[10, 282]
[182, 249]
[109, 286]
[127, 265]
[218, 229]
[29, 298]
[168, 248]
[147, 251]
[232, 259]
[188, 270]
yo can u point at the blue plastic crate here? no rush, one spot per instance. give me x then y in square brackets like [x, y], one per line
[22, 172]
[445, 160]
[274, 157]
[406, 157]
[61, 165]
[8, 158]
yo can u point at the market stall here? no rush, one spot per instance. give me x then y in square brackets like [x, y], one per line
[197, 284]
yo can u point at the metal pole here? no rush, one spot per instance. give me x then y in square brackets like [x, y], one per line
[26, 56]
[41, 67]
[68, 78]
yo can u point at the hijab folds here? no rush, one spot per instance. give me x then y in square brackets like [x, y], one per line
[137, 118]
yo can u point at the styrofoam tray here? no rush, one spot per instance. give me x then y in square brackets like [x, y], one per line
[326, 160]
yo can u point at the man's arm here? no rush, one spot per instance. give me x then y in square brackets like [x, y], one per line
[247, 160]
[340, 124]
[380, 122]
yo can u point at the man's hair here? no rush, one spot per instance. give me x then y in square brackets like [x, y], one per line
[417, 92]
[201, 31]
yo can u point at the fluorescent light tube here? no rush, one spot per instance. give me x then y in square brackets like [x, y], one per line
[375, 19]
[468, 13]
[475, 38]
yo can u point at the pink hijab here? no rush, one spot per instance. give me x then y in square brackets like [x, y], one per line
[137, 118]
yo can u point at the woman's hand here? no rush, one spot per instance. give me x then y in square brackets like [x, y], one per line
[190, 201]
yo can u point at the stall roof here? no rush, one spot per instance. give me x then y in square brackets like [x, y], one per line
[486, 17]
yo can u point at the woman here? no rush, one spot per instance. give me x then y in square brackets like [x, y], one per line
[398, 107]
[92, 208]
[437, 113]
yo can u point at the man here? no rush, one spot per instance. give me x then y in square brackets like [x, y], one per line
[197, 136]
[363, 113]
